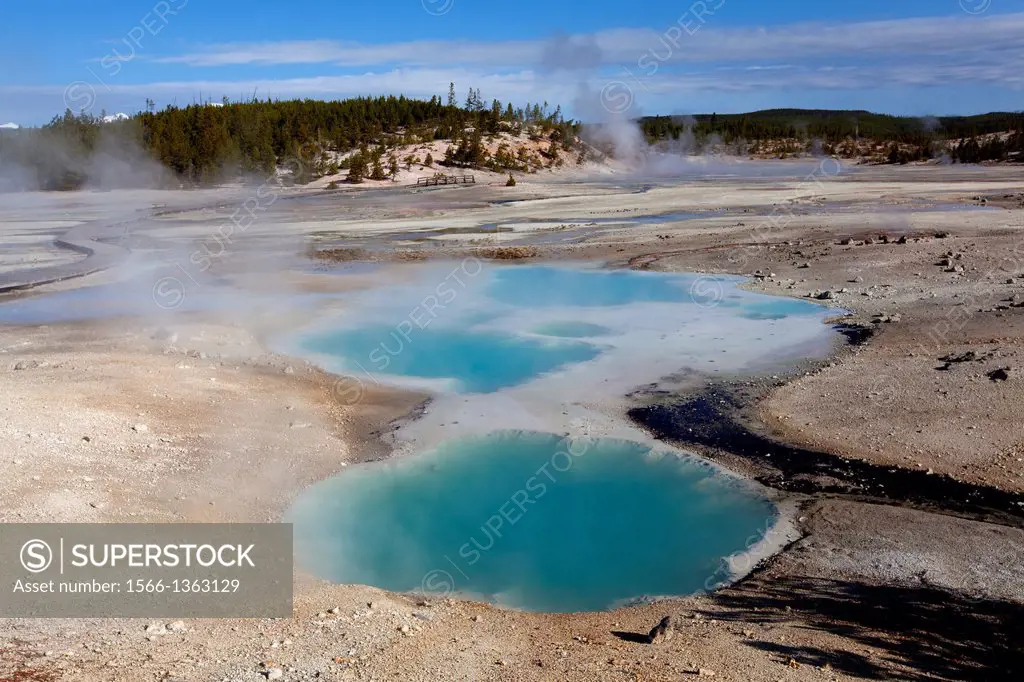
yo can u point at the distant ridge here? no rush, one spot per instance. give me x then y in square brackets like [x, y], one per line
[881, 138]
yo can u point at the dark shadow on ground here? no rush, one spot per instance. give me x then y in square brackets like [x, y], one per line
[711, 421]
[634, 637]
[936, 634]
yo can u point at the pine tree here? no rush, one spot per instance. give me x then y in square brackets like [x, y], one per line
[452, 101]
[377, 173]
[357, 168]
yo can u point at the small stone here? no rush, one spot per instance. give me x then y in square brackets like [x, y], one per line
[176, 626]
[140, 428]
[335, 610]
[289, 370]
[477, 619]
[404, 629]
[275, 674]
[156, 629]
[793, 663]
[704, 672]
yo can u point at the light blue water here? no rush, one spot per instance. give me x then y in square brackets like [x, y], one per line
[529, 521]
[544, 286]
[573, 330]
[489, 335]
[501, 515]
[479, 361]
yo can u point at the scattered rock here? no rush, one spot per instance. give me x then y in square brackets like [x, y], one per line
[966, 356]
[1001, 374]
[156, 629]
[662, 632]
[27, 364]
[477, 619]
[274, 674]
[140, 428]
[825, 296]
[176, 626]
[704, 672]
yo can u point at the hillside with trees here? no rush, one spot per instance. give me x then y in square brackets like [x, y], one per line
[207, 143]
[375, 138]
[851, 134]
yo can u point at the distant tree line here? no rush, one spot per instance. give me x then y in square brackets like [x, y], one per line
[205, 143]
[968, 139]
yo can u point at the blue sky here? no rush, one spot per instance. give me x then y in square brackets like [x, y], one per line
[917, 57]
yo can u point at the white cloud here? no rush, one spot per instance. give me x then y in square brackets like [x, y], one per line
[952, 36]
[945, 53]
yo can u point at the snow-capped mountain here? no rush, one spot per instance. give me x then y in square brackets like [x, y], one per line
[9, 126]
[115, 117]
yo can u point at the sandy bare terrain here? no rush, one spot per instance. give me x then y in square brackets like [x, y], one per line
[191, 417]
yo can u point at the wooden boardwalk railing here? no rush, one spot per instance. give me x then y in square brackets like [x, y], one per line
[446, 180]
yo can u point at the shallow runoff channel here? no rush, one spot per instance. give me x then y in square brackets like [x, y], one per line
[522, 483]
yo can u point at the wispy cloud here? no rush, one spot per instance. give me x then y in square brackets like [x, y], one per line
[937, 37]
[905, 55]
[533, 85]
